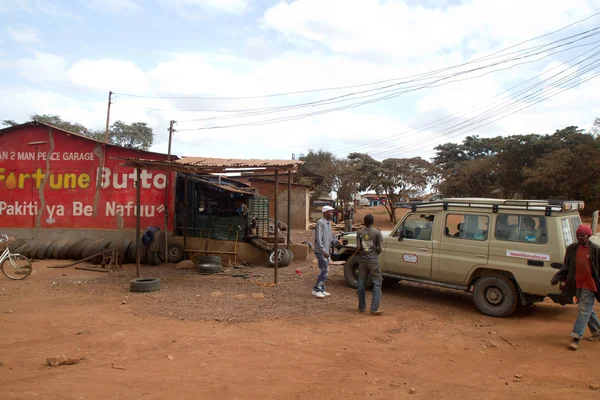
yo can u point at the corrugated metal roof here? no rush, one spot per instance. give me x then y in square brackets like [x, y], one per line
[237, 162]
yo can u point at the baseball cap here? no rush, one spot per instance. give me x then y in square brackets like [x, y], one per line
[327, 208]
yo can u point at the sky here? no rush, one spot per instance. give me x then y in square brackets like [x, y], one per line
[392, 78]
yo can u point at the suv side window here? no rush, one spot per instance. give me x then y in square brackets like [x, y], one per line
[467, 226]
[521, 228]
[417, 226]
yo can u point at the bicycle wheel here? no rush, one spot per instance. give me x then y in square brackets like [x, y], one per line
[16, 267]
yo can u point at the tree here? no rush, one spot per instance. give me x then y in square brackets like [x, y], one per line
[134, 136]
[60, 123]
[473, 178]
[9, 122]
[399, 177]
[322, 163]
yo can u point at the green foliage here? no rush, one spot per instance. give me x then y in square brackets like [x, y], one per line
[564, 165]
[322, 163]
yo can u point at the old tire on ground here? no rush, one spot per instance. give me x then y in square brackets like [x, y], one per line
[283, 258]
[210, 260]
[209, 269]
[175, 253]
[86, 243]
[143, 255]
[40, 250]
[291, 256]
[50, 249]
[86, 251]
[142, 285]
[16, 244]
[64, 250]
[131, 253]
[495, 295]
[351, 274]
[158, 244]
[95, 249]
[75, 250]
[123, 250]
[152, 258]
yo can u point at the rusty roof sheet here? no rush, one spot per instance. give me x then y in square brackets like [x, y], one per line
[237, 162]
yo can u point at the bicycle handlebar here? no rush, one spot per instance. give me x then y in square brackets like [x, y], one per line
[3, 238]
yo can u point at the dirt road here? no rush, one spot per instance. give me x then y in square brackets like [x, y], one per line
[233, 338]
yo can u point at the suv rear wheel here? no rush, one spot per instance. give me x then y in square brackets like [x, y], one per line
[495, 295]
[351, 274]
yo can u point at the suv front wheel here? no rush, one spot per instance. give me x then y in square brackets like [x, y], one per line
[495, 295]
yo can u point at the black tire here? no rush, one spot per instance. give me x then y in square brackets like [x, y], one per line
[210, 260]
[75, 251]
[351, 274]
[283, 258]
[95, 249]
[40, 250]
[22, 272]
[58, 247]
[123, 250]
[16, 244]
[291, 256]
[63, 252]
[88, 249]
[50, 249]
[152, 258]
[131, 253]
[209, 269]
[175, 252]
[142, 285]
[495, 295]
[144, 255]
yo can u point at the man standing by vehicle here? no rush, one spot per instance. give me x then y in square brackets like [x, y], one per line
[581, 271]
[368, 242]
[323, 241]
[349, 219]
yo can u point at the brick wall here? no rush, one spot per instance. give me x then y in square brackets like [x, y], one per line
[299, 201]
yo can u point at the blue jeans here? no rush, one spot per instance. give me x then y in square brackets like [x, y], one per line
[364, 270]
[323, 272]
[586, 314]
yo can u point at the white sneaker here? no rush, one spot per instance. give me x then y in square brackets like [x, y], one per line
[318, 295]
[326, 294]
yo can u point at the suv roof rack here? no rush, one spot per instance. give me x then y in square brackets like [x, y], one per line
[548, 206]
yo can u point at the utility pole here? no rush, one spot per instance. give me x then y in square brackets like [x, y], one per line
[171, 130]
[108, 116]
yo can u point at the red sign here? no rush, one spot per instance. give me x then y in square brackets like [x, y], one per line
[51, 179]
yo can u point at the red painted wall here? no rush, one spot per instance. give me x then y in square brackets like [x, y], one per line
[48, 179]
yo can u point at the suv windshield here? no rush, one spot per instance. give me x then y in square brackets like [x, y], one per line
[569, 226]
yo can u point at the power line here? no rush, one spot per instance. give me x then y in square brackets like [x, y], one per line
[460, 113]
[394, 93]
[358, 85]
[539, 96]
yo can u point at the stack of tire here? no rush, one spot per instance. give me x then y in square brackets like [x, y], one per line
[81, 248]
[285, 257]
[209, 265]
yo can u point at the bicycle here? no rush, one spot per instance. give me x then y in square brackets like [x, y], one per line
[14, 266]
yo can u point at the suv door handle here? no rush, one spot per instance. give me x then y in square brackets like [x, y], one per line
[481, 256]
[423, 249]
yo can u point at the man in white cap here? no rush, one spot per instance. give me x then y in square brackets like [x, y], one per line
[323, 241]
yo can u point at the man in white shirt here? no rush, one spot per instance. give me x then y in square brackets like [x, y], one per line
[323, 241]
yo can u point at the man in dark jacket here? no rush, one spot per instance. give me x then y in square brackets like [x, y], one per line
[581, 272]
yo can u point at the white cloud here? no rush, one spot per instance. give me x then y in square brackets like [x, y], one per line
[197, 9]
[115, 6]
[53, 8]
[42, 68]
[23, 34]
[108, 75]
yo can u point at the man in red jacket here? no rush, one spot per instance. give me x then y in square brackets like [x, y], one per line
[581, 271]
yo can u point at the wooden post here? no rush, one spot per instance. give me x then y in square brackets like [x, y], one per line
[289, 210]
[185, 212]
[276, 246]
[137, 221]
